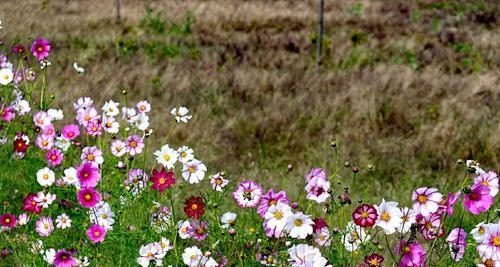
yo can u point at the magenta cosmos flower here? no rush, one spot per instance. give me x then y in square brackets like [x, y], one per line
[30, 204]
[374, 260]
[7, 114]
[478, 200]
[365, 215]
[18, 49]
[248, 194]
[162, 179]
[70, 132]
[457, 244]
[96, 233]
[271, 199]
[134, 145]
[430, 226]
[8, 220]
[88, 174]
[54, 157]
[447, 204]
[490, 180]
[412, 254]
[88, 197]
[40, 48]
[94, 128]
[198, 230]
[64, 258]
[426, 200]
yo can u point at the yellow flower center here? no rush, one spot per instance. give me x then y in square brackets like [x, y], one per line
[364, 214]
[481, 230]
[6, 76]
[298, 222]
[373, 262]
[88, 197]
[46, 225]
[194, 207]
[192, 169]
[39, 48]
[90, 157]
[45, 176]
[273, 202]
[422, 199]
[385, 216]
[485, 183]
[496, 241]
[162, 181]
[7, 220]
[278, 215]
[44, 143]
[166, 157]
[183, 154]
[133, 144]
[97, 233]
[150, 254]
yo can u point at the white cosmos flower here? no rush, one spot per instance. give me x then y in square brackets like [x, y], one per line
[166, 156]
[185, 154]
[23, 219]
[103, 215]
[194, 171]
[409, 217]
[62, 143]
[37, 247]
[389, 216]
[22, 107]
[479, 232]
[303, 255]
[6, 76]
[192, 256]
[45, 177]
[181, 114]
[165, 244]
[83, 103]
[149, 252]
[55, 114]
[142, 121]
[183, 229]
[299, 225]
[118, 148]
[129, 115]
[143, 106]
[63, 221]
[70, 177]
[227, 219]
[49, 255]
[110, 125]
[44, 200]
[323, 237]
[111, 108]
[276, 218]
[354, 236]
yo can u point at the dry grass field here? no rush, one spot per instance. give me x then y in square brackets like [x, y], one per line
[409, 86]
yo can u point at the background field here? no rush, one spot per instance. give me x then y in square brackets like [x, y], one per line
[409, 86]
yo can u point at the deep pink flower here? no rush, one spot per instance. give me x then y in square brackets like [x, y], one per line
[447, 204]
[19, 49]
[162, 179]
[64, 258]
[8, 220]
[96, 233]
[412, 254]
[54, 157]
[30, 205]
[40, 48]
[319, 224]
[88, 174]
[365, 215]
[374, 260]
[457, 244]
[426, 200]
[70, 132]
[88, 197]
[271, 198]
[7, 114]
[478, 200]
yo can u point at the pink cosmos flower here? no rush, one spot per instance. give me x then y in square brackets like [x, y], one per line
[49, 130]
[271, 198]
[447, 204]
[44, 142]
[54, 157]
[315, 173]
[134, 145]
[85, 115]
[426, 200]
[457, 244]
[490, 180]
[430, 226]
[88, 197]
[42, 119]
[478, 200]
[92, 154]
[412, 254]
[7, 114]
[88, 174]
[365, 215]
[44, 226]
[30, 204]
[143, 106]
[317, 189]
[64, 258]
[248, 194]
[40, 48]
[70, 132]
[8, 220]
[490, 247]
[96, 233]
[94, 128]
[162, 179]
[19, 49]
[198, 230]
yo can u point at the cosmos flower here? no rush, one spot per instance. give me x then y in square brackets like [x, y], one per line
[194, 171]
[136, 181]
[8, 220]
[446, 205]
[151, 252]
[365, 215]
[19, 49]
[322, 237]
[30, 205]
[218, 182]
[6, 76]
[478, 200]
[118, 148]
[299, 225]
[303, 255]
[71, 177]
[354, 236]
[55, 114]
[192, 256]
[86, 115]
[426, 200]
[162, 179]
[275, 219]
[457, 244]
[96, 233]
[94, 128]
[412, 254]
[143, 106]
[103, 215]
[142, 122]
[70, 132]
[317, 189]
[40, 48]
[7, 114]
[271, 199]
[490, 180]
[183, 229]
[198, 230]
[88, 197]
[111, 108]
[45, 177]
[44, 226]
[409, 217]
[374, 260]
[248, 194]
[490, 246]
[430, 225]
[88, 174]
[54, 157]
[44, 142]
[315, 173]
[110, 125]
[64, 258]
[479, 232]
[134, 145]
[185, 154]
[166, 156]
[181, 114]
[44, 200]
[194, 208]
[389, 216]
[63, 221]
[228, 219]
[92, 154]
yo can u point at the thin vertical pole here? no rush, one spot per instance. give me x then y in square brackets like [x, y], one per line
[319, 58]
[117, 5]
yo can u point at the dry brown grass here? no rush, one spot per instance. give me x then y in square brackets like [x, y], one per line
[258, 101]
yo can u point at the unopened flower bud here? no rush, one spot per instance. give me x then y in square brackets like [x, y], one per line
[124, 92]
[294, 205]
[288, 243]
[232, 231]
[355, 169]
[290, 167]
[347, 164]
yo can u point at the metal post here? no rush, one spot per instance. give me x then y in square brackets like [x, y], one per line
[319, 58]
